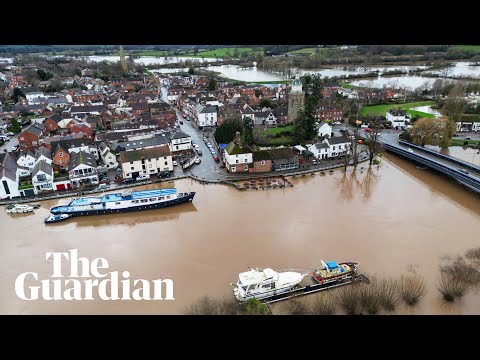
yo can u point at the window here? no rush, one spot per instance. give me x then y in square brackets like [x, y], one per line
[166, 163]
[60, 154]
[41, 177]
[132, 168]
[59, 161]
[117, 203]
[233, 168]
[236, 161]
[334, 148]
[263, 162]
[246, 168]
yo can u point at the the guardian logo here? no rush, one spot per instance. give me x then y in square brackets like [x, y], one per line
[88, 281]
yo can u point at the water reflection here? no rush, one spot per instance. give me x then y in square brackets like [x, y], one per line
[439, 184]
[131, 219]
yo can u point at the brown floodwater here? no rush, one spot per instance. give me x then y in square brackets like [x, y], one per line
[391, 220]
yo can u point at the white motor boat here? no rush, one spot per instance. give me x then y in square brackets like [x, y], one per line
[264, 283]
[19, 208]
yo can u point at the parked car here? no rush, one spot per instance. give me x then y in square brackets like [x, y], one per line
[142, 177]
[183, 161]
[199, 152]
[368, 130]
[180, 122]
[14, 148]
[197, 147]
[216, 159]
[198, 161]
[164, 174]
[184, 116]
[10, 134]
[103, 187]
[468, 138]
[314, 162]
[175, 163]
[128, 180]
[360, 141]
[409, 150]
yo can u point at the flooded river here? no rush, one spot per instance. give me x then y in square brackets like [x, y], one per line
[387, 219]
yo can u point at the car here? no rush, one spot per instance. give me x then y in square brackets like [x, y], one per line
[368, 130]
[164, 174]
[455, 135]
[314, 162]
[216, 159]
[175, 163]
[14, 148]
[360, 141]
[142, 177]
[209, 145]
[197, 147]
[103, 187]
[409, 150]
[180, 122]
[468, 138]
[199, 152]
[10, 134]
[198, 161]
[188, 119]
[184, 116]
[128, 180]
[183, 161]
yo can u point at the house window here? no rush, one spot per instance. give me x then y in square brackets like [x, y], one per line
[334, 148]
[166, 163]
[60, 154]
[233, 169]
[41, 177]
[59, 162]
[263, 162]
[132, 168]
[246, 168]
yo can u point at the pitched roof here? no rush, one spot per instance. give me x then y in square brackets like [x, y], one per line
[81, 157]
[321, 146]
[156, 152]
[233, 149]
[42, 150]
[143, 143]
[8, 166]
[42, 165]
[179, 135]
[71, 143]
[56, 118]
[337, 140]
[281, 153]
[35, 128]
[261, 155]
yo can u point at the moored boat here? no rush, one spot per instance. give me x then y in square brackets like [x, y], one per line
[264, 283]
[19, 208]
[35, 205]
[57, 218]
[331, 271]
[124, 202]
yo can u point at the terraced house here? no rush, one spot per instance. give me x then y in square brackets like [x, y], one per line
[238, 157]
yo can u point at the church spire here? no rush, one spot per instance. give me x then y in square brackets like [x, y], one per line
[122, 60]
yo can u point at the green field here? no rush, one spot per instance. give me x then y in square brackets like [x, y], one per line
[381, 110]
[276, 130]
[419, 113]
[284, 140]
[151, 53]
[221, 52]
[347, 85]
[475, 48]
[459, 142]
[304, 51]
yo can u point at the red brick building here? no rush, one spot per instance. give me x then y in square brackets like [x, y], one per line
[29, 138]
[329, 113]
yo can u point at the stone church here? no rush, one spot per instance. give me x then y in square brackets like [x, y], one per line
[296, 99]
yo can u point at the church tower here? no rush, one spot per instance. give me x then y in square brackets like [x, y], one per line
[296, 99]
[122, 60]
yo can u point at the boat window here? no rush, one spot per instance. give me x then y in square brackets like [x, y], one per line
[151, 199]
[168, 196]
[162, 197]
[117, 203]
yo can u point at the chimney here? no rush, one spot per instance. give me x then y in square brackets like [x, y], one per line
[238, 141]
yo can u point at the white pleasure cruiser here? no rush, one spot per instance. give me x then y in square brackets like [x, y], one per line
[260, 284]
[19, 208]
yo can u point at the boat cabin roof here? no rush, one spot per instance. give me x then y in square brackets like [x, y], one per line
[257, 276]
[121, 197]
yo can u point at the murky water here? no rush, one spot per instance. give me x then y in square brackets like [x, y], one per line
[463, 153]
[458, 70]
[427, 109]
[386, 219]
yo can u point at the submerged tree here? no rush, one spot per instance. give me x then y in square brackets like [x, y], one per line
[372, 140]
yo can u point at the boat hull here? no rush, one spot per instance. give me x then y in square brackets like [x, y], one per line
[184, 199]
[47, 221]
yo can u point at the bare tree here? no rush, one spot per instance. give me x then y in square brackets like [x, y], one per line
[445, 72]
[368, 183]
[372, 141]
[453, 107]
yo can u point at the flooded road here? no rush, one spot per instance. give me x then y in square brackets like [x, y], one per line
[387, 219]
